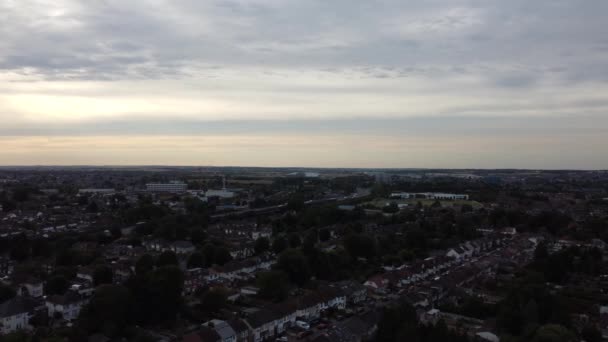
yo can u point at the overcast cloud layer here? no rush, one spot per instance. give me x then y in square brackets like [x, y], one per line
[438, 83]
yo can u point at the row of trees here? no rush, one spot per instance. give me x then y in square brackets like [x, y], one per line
[399, 323]
[148, 298]
[533, 311]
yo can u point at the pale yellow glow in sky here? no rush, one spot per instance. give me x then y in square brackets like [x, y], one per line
[303, 96]
[445, 83]
[281, 150]
[285, 95]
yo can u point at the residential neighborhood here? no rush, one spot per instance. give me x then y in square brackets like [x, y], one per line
[332, 256]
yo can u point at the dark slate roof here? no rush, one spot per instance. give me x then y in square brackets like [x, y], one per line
[183, 244]
[17, 305]
[69, 297]
[204, 334]
[238, 325]
[261, 317]
[209, 335]
[360, 325]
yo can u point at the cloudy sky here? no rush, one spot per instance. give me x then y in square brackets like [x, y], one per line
[347, 83]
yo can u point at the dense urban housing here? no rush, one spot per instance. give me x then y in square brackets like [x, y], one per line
[250, 254]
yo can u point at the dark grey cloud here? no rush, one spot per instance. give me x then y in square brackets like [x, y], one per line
[483, 79]
[145, 39]
[517, 80]
[420, 127]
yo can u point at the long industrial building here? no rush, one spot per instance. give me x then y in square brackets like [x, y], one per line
[429, 195]
[174, 187]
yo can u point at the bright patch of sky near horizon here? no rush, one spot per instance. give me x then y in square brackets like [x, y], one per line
[441, 83]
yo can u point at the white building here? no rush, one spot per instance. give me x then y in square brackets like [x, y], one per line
[68, 305]
[265, 324]
[221, 193]
[262, 233]
[85, 274]
[97, 191]
[15, 314]
[183, 247]
[32, 288]
[429, 195]
[174, 187]
[223, 329]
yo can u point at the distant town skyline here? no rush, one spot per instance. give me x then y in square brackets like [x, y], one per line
[371, 84]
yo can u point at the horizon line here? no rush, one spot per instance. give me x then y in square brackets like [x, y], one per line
[289, 167]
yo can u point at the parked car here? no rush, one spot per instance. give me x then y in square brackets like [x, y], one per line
[303, 325]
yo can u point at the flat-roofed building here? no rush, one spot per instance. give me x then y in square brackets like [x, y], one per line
[429, 195]
[174, 186]
[96, 191]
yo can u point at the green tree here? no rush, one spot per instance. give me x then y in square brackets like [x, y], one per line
[591, 334]
[92, 207]
[196, 260]
[380, 190]
[360, 245]
[530, 312]
[391, 208]
[295, 202]
[144, 264]
[541, 253]
[167, 258]
[553, 333]
[8, 205]
[56, 285]
[279, 244]
[322, 266]
[274, 285]
[102, 275]
[83, 200]
[198, 236]
[466, 208]
[108, 312]
[21, 194]
[195, 206]
[262, 244]
[157, 295]
[6, 293]
[324, 234]
[293, 262]
[213, 300]
[144, 337]
[398, 323]
[19, 336]
[312, 237]
[209, 253]
[294, 240]
[222, 255]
